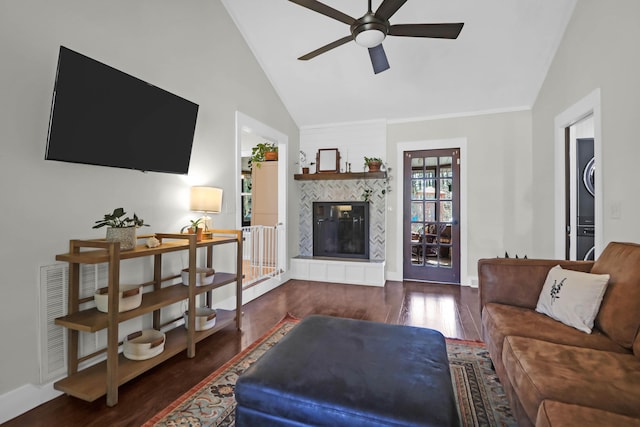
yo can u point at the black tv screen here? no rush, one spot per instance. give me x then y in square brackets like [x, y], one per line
[102, 116]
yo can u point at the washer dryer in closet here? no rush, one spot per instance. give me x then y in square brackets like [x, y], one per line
[586, 191]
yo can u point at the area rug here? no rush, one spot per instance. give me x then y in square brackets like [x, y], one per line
[480, 396]
[481, 400]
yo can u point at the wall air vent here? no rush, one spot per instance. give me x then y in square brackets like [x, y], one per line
[54, 280]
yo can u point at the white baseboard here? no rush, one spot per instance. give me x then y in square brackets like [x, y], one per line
[395, 276]
[471, 281]
[25, 398]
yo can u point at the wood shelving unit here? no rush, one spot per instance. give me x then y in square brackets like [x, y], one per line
[105, 377]
[325, 176]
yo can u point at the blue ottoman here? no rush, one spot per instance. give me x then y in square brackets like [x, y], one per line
[330, 371]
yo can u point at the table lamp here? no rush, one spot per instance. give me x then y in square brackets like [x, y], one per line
[206, 200]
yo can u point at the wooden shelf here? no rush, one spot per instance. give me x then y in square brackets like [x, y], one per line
[105, 377]
[98, 256]
[337, 176]
[92, 320]
[91, 383]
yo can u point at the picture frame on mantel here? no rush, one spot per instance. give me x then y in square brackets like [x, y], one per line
[328, 160]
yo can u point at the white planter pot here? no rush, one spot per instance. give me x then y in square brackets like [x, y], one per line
[126, 236]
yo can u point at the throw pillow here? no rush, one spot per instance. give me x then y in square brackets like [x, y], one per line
[572, 297]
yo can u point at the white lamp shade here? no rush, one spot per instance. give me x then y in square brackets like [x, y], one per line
[206, 199]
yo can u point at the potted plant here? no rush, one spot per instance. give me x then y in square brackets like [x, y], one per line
[373, 163]
[303, 162]
[194, 228]
[121, 229]
[263, 152]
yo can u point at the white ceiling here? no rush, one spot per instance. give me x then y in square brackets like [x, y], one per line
[498, 62]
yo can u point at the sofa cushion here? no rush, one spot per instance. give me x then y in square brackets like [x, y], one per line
[619, 316]
[542, 370]
[518, 281]
[500, 321]
[552, 413]
[572, 297]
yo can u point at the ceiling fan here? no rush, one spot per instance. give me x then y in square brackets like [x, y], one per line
[371, 29]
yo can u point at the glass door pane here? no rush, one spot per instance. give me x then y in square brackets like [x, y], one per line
[433, 198]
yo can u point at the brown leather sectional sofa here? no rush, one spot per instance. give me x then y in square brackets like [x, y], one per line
[553, 374]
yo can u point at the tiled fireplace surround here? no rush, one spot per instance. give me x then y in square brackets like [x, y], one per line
[365, 272]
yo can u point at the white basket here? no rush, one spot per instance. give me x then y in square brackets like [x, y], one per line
[204, 276]
[144, 344]
[130, 297]
[205, 318]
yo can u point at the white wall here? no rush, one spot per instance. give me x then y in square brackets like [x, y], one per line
[189, 48]
[353, 140]
[599, 51]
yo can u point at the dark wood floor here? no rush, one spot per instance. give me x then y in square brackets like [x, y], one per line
[451, 309]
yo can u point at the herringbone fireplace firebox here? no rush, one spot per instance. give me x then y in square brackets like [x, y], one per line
[341, 229]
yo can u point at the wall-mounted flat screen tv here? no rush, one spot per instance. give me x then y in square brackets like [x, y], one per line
[103, 116]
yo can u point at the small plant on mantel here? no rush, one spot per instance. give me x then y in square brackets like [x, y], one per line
[303, 162]
[373, 163]
[264, 151]
[367, 193]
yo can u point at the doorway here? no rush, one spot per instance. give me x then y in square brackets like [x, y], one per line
[580, 190]
[431, 227]
[264, 248]
[565, 241]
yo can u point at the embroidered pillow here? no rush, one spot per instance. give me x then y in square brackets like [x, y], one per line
[572, 297]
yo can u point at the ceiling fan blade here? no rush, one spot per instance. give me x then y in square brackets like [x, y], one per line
[438, 31]
[326, 48]
[388, 8]
[322, 8]
[378, 59]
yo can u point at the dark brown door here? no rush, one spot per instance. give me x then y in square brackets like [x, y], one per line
[431, 211]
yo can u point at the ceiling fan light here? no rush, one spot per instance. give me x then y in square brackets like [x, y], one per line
[370, 38]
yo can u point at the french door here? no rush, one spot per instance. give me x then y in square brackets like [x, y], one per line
[431, 212]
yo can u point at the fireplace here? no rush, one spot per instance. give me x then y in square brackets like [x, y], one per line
[341, 229]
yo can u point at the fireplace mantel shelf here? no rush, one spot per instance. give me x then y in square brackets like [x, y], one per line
[325, 176]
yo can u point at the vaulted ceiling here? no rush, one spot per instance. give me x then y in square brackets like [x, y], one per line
[498, 62]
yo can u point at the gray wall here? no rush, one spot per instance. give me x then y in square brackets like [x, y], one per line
[599, 50]
[190, 48]
[511, 171]
[498, 182]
